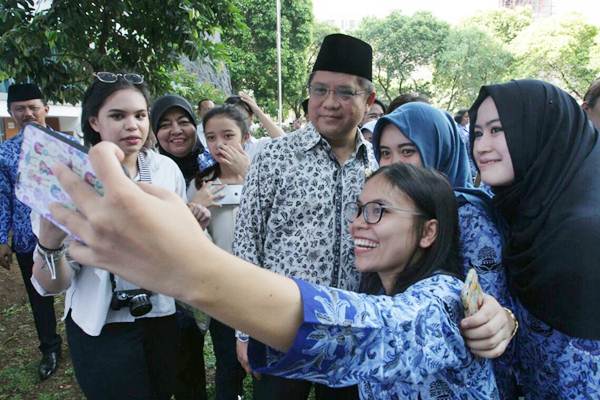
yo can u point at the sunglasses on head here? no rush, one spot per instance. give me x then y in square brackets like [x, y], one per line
[111, 77]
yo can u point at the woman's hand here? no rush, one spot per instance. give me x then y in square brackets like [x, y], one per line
[51, 236]
[235, 158]
[241, 349]
[147, 236]
[209, 195]
[136, 230]
[246, 98]
[488, 332]
[201, 213]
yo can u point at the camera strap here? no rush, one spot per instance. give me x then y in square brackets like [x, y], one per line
[145, 176]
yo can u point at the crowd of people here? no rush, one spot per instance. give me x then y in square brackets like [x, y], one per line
[329, 258]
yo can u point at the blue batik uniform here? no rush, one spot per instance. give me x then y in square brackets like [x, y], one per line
[553, 365]
[408, 346]
[14, 215]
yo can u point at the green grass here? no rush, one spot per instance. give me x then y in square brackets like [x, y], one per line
[19, 358]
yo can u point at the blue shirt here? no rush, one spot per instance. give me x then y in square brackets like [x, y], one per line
[407, 346]
[14, 215]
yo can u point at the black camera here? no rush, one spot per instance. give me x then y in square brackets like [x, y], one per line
[138, 301]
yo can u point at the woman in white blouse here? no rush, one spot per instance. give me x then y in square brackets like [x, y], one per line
[122, 338]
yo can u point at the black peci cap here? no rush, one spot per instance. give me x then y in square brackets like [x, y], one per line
[346, 54]
[23, 92]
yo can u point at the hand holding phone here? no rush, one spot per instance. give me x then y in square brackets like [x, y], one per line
[471, 293]
[36, 185]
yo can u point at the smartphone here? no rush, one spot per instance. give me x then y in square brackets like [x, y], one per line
[36, 186]
[471, 293]
[206, 160]
[231, 195]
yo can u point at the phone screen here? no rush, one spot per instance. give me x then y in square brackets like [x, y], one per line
[36, 185]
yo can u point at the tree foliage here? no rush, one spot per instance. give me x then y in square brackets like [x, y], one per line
[188, 86]
[560, 50]
[504, 24]
[61, 46]
[253, 55]
[471, 58]
[402, 44]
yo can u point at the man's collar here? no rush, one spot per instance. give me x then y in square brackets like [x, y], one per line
[313, 137]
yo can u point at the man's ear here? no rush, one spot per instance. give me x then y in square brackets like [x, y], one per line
[585, 106]
[429, 234]
[371, 99]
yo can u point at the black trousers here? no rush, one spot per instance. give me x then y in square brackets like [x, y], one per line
[129, 360]
[229, 375]
[271, 387]
[191, 373]
[41, 307]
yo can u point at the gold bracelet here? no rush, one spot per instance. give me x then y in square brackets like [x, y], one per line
[515, 320]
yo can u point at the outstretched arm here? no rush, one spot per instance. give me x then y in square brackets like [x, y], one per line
[272, 129]
[148, 236]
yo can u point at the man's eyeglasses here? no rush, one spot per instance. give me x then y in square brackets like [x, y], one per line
[372, 211]
[340, 93]
[375, 115]
[111, 77]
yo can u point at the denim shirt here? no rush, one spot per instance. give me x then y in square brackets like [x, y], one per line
[407, 346]
[291, 219]
[14, 215]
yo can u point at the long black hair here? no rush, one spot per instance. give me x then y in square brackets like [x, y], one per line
[434, 198]
[93, 100]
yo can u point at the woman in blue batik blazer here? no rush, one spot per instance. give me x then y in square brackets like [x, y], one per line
[422, 135]
[404, 343]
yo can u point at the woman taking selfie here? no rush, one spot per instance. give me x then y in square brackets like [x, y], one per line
[117, 331]
[403, 343]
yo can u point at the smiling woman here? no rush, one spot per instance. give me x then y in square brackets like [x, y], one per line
[537, 149]
[390, 346]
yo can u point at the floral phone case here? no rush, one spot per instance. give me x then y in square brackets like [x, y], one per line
[471, 293]
[36, 185]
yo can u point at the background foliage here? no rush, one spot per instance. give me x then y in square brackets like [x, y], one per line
[61, 46]
[252, 59]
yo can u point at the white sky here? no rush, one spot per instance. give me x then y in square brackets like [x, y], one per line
[451, 11]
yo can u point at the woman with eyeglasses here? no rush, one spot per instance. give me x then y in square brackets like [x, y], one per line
[402, 342]
[419, 134]
[122, 338]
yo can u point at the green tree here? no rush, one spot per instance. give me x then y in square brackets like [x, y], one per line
[560, 50]
[61, 46]
[471, 58]
[504, 24]
[188, 86]
[401, 46]
[253, 54]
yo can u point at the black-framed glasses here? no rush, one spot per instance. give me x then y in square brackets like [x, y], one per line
[340, 93]
[111, 77]
[373, 211]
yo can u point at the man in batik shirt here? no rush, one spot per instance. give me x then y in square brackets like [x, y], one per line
[291, 219]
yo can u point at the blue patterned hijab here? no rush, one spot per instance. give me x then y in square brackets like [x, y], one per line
[435, 134]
